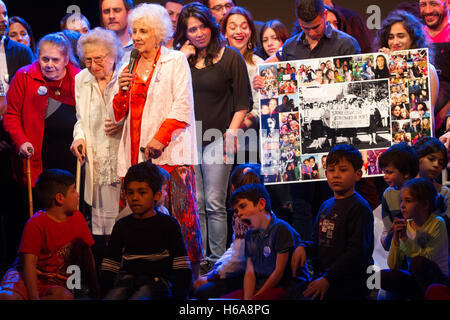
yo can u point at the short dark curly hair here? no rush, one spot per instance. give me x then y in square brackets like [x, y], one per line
[145, 172]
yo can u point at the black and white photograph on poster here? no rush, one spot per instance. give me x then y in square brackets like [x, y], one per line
[354, 113]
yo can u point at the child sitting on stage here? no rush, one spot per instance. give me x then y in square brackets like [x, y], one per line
[342, 245]
[421, 237]
[148, 244]
[399, 164]
[269, 244]
[53, 239]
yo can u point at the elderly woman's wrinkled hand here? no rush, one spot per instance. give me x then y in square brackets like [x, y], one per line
[111, 129]
[125, 78]
[78, 149]
[154, 149]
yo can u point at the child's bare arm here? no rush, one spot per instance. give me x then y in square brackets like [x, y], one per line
[249, 280]
[30, 275]
[277, 274]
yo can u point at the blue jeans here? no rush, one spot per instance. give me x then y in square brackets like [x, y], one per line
[211, 181]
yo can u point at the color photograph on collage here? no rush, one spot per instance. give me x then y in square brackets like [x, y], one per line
[370, 101]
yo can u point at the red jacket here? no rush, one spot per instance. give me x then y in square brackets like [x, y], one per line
[25, 117]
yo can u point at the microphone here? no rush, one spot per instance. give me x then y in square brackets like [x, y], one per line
[133, 57]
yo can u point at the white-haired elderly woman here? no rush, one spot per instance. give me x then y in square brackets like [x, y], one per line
[97, 135]
[158, 115]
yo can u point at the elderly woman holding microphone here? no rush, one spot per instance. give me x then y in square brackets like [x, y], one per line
[155, 103]
[96, 137]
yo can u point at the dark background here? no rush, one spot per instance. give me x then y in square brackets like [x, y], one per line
[44, 16]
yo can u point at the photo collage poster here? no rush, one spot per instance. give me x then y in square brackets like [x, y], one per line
[369, 100]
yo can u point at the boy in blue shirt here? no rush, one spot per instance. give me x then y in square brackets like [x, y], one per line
[342, 245]
[269, 244]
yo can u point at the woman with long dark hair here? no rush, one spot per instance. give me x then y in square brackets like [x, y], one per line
[403, 31]
[222, 97]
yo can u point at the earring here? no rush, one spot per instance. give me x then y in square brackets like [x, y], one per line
[249, 45]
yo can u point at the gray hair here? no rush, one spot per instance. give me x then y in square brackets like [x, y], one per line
[156, 18]
[100, 37]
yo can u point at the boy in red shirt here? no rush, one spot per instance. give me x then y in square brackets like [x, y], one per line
[53, 239]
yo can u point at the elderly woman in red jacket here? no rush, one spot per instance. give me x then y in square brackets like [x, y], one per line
[41, 109]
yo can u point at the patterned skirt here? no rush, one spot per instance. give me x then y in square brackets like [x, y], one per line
[182, 204]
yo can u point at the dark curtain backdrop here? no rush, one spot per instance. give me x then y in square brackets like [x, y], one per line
[45, 15]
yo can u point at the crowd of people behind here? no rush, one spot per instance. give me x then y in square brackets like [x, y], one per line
[149, 219]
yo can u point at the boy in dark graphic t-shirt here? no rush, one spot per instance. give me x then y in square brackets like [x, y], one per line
[342, 245]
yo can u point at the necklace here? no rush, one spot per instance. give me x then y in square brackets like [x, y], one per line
[57, 92]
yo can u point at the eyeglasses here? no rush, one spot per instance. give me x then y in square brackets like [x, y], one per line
[220, 7]
[97, 60]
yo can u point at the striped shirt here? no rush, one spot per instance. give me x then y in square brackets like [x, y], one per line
[152, 246]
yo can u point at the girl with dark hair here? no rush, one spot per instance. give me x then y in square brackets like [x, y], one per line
[222, 98]
[20, 31]
[402, 31]
[273, 35]
[239, 29]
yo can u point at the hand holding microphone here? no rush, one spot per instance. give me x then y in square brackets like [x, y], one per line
[126, 76]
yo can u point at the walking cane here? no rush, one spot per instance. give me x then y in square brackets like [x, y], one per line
[78, 173]
[30, 192]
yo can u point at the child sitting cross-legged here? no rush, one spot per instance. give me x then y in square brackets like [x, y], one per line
[342, 245]
[421, 237]
[53, 240]
[148, 244]
[269, 244]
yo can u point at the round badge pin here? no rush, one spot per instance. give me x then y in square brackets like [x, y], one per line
[42, 91]
[267, 251]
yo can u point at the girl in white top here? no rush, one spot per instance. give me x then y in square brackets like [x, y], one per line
[96, 137]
